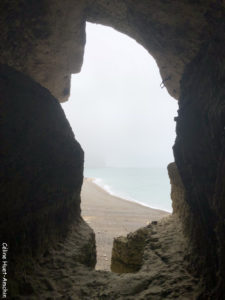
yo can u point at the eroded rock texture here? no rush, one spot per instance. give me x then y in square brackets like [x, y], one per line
[199, 152]
[41, 163]
[163, 273]
[171, 31]
[178, 193]
[127, 252]
[40, 171]
[44, 39]
[51, 39]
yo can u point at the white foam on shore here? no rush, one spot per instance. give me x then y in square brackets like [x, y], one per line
[99, 182]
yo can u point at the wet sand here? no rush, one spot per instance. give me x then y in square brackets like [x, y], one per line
[110, 216]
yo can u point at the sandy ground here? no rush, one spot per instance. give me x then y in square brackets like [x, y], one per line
[110, 217]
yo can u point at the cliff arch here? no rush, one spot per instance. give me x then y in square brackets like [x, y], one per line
[187, 40]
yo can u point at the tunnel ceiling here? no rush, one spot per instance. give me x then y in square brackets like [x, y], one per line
[51, 44]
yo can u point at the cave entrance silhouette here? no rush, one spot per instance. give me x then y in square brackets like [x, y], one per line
[131, 116]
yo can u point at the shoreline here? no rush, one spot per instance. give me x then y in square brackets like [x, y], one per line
[93, 180]
[110, 216]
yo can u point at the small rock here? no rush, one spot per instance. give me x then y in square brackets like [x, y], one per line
[154, 222]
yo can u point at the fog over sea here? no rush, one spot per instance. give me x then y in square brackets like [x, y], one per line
[122, 116]
[147, 186]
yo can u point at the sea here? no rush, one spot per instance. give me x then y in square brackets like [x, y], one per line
[147, 186]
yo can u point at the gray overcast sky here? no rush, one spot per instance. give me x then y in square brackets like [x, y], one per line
[117, 110]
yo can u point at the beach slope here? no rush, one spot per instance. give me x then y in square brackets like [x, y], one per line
[110, 217]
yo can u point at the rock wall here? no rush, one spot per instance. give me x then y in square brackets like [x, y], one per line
[51, 39]
[181, 209]
[172, 31]
[127, 252]
[40, 171]
[197, 188]
[177, 190]
[41, 163]
[44, 39]
[199, 155]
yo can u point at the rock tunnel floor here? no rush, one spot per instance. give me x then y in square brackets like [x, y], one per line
[163, 275]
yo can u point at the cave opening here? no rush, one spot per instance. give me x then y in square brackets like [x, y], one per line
[51, 249]
[124, 122]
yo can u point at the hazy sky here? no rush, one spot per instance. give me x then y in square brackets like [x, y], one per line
[117, 110]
